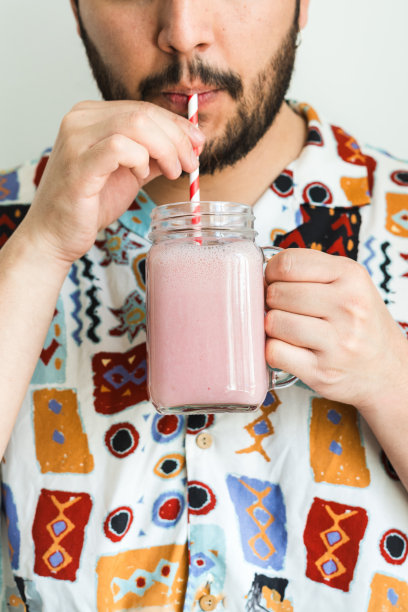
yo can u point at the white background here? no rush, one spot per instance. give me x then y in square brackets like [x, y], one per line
[352, 66]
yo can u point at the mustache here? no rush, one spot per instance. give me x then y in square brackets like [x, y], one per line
[196, 70]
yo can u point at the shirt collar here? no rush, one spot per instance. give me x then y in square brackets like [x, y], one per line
[331, 171]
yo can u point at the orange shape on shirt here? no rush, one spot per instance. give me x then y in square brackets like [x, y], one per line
[138, 579]
[388, 594]
[309, 112]
[60, 443]
[273, 601]
[262, 427]
[356, 190]
[397, 214]
[337, 455]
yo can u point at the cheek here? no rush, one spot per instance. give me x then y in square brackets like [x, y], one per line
[267, 22]
[121, 36]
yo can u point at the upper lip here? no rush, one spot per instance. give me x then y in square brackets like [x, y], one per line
[189, 91]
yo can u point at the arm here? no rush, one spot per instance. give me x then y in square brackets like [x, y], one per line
[105, 152]
[330, 327]
[29, 286]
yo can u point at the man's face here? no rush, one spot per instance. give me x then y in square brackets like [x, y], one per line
[238, 57]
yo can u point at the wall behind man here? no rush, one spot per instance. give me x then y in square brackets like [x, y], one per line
[352, 66]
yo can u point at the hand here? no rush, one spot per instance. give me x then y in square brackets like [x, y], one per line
[329, 326]
[104, 153]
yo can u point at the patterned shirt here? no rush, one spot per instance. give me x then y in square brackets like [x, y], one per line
[109, 506]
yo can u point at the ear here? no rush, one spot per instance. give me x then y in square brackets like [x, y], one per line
[303, 13]
[74, 7]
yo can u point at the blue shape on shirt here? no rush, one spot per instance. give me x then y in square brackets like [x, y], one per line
[333, 537]
[59, 527]
[13, 532]
[262, 548]
[200, 563]
[261, 428]
[55, 406]
[329, 567]
[269, 400]
[392, 597]
[263, 544]
[334, 416]
[335, 448]
[9, 186]
[56, 559]
[58, 437]
[261, 516]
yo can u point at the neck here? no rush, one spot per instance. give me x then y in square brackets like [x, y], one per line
[249, 178]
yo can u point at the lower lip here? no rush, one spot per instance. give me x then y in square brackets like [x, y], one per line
[179, 102]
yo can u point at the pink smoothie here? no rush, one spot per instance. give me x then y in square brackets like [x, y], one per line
[206, 324]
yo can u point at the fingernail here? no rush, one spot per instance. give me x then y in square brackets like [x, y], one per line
[177, 168]
[197, 134]
[194, 157]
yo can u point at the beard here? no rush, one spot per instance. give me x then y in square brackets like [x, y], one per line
[255, 110]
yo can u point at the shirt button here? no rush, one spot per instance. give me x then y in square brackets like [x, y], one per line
[208, 602]
[204, 440]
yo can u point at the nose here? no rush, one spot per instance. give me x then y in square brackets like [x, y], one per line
[185, 26]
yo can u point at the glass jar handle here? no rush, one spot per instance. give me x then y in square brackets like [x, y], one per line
[277, 378]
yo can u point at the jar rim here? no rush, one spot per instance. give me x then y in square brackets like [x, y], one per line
[204, 218]
[206, 207]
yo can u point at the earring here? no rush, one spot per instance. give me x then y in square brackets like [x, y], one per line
[299, 39]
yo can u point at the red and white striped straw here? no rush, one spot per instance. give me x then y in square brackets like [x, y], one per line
[195, 176]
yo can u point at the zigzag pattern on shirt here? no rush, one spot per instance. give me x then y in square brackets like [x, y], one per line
[75, 297]
[88, 265]
[384, 266]
[76, 334]
[73, 274]
[91, 313]
[371, 254]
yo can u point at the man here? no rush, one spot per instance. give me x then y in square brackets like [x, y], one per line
[111, 506]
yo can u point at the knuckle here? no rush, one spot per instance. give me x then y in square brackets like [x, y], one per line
[183, 140]
[79, 106]
[284, 262]
[144, 156]
[271, 322]
[271, 352]
[137, 120]
[327, 377]
[115, 143]
[356, 306]
[272, 293]
[66, 124]
[349, 343]
[360, 271]
[355, 292]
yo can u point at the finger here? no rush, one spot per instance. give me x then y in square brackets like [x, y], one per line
[165, 143]
[311, 299]
[305, 265]
[90, 112]
[298, 330]
[300, 362]
[145, 132]
[104, 158]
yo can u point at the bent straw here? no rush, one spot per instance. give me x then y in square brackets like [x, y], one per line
[195, 175]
